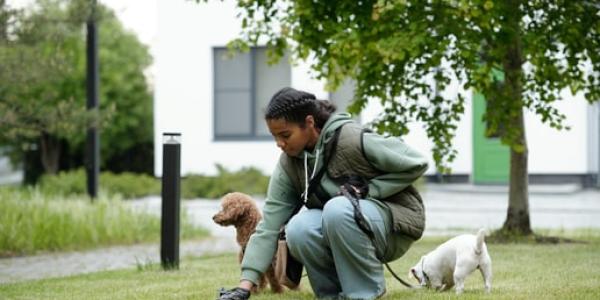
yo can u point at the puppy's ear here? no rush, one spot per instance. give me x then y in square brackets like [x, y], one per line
[411, 273]
[414, 275]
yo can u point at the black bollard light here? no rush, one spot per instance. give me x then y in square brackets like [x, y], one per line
[92, 150]
[169, 230]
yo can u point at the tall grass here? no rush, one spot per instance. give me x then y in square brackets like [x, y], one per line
[31, 221]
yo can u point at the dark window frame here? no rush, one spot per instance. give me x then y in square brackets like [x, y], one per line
[254, 134]
[348, 102]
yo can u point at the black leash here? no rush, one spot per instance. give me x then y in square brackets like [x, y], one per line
[366, 228]
[404, 283]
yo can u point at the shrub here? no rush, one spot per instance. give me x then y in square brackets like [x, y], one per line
[64, 183]
[128, 185]
[247, 180]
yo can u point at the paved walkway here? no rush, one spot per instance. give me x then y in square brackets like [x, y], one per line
[450, 209]
[468, 207]
[120, 257]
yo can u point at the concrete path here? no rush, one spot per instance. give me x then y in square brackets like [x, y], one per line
[551, 207]
[120, 257]
[71, 263]
[450, 210]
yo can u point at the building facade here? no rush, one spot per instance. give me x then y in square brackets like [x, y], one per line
[217, 104]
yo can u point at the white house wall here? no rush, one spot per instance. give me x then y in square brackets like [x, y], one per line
[593, 138]
[417, 138]
[560, 152]
[187, 33]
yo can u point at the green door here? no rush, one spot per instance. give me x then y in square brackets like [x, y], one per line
[491, 159]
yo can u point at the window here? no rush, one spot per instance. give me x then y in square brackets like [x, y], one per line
[342, 97]
[243, 86]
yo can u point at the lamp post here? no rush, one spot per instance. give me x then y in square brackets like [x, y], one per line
[169, 230]
[92, 165]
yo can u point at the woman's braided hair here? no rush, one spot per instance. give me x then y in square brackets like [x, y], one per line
[293, 106]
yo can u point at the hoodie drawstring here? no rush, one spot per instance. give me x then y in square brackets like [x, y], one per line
[306, 179]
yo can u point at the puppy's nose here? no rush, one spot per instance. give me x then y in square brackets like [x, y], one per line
[218, 218]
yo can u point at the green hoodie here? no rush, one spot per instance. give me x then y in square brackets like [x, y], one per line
[402, 164]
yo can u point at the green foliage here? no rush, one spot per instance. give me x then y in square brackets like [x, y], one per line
[247, 180]
[43, 75]
[64, 183]
[39, 77]
[128, 185]
[123, 59]
[406, 54]
[564, 271]
[32, 221]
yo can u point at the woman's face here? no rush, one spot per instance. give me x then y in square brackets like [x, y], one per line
[292, 138]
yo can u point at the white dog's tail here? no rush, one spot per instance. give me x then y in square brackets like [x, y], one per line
[480, 241]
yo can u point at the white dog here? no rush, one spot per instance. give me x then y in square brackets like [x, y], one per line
[450, 263]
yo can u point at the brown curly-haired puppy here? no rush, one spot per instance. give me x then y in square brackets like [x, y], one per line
[239, 210]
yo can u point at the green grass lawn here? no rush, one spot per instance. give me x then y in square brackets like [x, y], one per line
[521, 271]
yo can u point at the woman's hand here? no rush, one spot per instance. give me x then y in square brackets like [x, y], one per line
[242, 292]
[234, 294]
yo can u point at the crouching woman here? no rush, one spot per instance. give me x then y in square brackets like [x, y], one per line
[320, 151]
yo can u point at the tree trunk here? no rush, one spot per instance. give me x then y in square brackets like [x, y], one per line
[32, 166]
[4, 14]
[517, 216]
[50, 153]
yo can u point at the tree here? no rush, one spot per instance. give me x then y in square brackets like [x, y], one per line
[37, 107]
[406, 53]
[127, 141]
[5, 15]
[42, 91]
